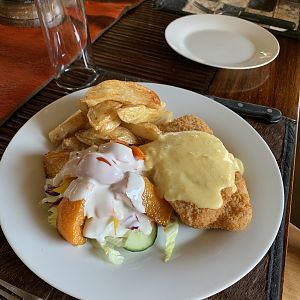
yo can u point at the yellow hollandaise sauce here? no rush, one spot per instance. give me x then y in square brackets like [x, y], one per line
[193, 166]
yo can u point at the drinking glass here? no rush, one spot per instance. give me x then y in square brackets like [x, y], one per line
[67, 38]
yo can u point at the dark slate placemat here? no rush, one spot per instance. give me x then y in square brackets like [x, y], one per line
[174, 5]
[263, 282]
[288, 10]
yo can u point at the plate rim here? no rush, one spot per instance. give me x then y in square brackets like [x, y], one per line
[53, 104]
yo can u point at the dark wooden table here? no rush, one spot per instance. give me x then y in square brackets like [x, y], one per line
[135, 48]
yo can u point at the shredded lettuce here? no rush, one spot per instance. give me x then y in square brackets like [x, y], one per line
[171, 231]
[46, 202]
[112, 255]
[52, 216]
[108, 246]
[116, 241]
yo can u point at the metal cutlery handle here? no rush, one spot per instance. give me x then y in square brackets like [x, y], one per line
[267, 20]
[231, 10]
[266, 113]
[8, 291]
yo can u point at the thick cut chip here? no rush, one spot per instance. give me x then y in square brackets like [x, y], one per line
[129, 93]
[120, 134]
[156, 208]
[70, 221]
[148, 131]
[83, 107]
[97, 137]
[139, 114]
[89, 137]
[72, 144]
[68, 127]
[165, 117]
[54, 161]
[103, 116]
[124, 135]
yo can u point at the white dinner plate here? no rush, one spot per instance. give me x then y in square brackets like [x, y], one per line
[204, 261]
[222, 41]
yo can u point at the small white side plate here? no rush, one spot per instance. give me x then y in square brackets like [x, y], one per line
[222, 41]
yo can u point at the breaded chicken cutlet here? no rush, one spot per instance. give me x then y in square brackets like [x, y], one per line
[236, 212]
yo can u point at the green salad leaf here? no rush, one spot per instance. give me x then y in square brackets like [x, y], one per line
[52, 216]
[114, 256]
[171, 231]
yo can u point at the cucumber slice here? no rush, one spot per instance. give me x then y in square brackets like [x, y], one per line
[138, 241]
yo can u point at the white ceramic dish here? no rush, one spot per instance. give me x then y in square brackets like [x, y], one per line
[222, 41]
[204, 262]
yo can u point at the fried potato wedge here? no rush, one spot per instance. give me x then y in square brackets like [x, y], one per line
[97, 137]
[156, 208]
[70, 221]
[72, 144]
[75, 122]
[103, 116]
[139, 114]
[148, 131]
[124, 135]
[165, 117]
[83, 107]
[126, 92]
[89, 137]
[54, 161]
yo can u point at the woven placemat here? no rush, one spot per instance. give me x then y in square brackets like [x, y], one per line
[136, 45]
[263, 282]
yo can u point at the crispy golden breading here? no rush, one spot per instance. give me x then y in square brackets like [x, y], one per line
[236, 212]
[185, 123]
[54, 162]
